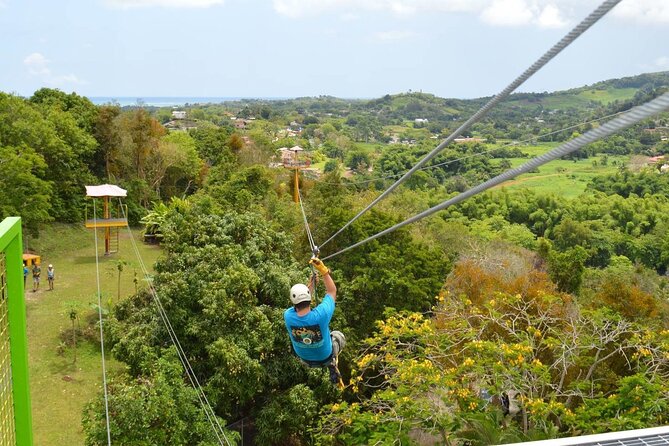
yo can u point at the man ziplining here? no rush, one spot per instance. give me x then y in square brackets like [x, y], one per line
[309, 329]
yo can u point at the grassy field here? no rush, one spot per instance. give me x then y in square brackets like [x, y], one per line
[59, 387]
[564, 177]
[408, 130]
[608, 95]
[565, 100]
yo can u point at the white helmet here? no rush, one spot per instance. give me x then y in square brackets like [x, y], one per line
[299, 293]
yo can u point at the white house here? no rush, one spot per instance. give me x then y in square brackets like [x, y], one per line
[179, 114]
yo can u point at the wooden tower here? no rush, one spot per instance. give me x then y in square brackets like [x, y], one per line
[290, 159]
[112, 217]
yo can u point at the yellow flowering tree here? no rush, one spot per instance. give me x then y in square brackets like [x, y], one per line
[529, 352]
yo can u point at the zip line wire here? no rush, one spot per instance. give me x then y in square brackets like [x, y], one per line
[313, 280]
[628, 119]
[192, 377]
[473, 155]
[312, 244]
[102, 338]
[579, 29]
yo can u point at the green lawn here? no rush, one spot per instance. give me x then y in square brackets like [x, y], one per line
[564, 177]
[533, 149]
[407, 130]
[583, 98]
[370, 147]
[60, 388]
[609, 95]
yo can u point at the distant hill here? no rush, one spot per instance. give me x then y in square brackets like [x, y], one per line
[556, 108]
[613, 94]
[600, 93]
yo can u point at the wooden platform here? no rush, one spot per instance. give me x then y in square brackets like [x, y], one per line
[107, 223]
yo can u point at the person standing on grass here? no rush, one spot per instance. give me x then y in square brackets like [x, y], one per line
[50, 276]
[37, 272]
[25, 275]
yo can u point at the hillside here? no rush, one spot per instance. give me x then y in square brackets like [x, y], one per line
[413, 105]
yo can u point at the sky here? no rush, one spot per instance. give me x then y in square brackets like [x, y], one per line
[343, 48]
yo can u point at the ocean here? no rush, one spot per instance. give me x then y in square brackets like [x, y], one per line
[164, 101]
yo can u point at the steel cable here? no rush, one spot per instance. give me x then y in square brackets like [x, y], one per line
[102, 338]
[579, 29]
[202, 397]
[474, 155]
[629, 118]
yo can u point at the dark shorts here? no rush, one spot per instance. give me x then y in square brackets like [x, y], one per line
[338, 343]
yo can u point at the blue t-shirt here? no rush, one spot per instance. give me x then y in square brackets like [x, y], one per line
[310, 334]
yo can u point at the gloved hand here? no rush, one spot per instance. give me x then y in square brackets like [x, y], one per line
[320, 266]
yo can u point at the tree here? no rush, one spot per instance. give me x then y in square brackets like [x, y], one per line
[108, 139]
[158, 408]
[55, 136]
[212, 145]
[566, 268]
[331, 166]
[140, 135]
[72, 311]
[358, 160]
[223, 286]
[172, 163]
[22, 191]
[441, 377]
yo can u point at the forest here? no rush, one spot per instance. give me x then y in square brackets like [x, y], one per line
[516, 315]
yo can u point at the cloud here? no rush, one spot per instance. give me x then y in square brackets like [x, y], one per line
[507, 13]
[306, 8]
[524, 13]
[551, 17]
[183, 4]
[643, 11]
[540, 13]
[349, 17]
[393, 36]
[662, 62]
[38, 66]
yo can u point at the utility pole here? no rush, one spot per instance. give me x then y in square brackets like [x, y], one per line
[295, 165]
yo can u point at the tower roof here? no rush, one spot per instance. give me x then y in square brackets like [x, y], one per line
[105, 190]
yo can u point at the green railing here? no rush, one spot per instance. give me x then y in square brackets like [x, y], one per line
[15, 418]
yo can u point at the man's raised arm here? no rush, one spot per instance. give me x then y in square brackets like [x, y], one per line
[330, 286]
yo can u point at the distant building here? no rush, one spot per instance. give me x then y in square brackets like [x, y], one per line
[289, 156]
[179, 114]
[466, 140]
[240, 124]
[664, 168]
[181, 124]
[295, 126]
[421, 121]
[286, 155]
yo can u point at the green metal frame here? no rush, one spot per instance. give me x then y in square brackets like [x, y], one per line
[11, 247]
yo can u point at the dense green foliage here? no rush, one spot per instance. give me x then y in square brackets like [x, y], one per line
[558, 304]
